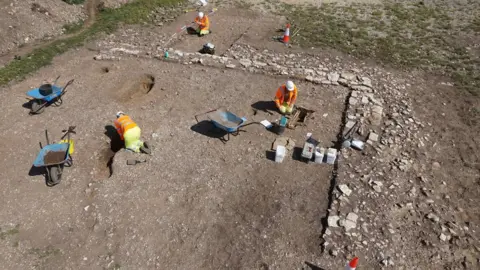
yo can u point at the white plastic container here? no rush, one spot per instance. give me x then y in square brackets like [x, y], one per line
[319, 154]
[331, 155]
[280, 153]
[357, 144]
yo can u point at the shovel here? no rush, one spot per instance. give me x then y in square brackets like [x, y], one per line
[134, 161]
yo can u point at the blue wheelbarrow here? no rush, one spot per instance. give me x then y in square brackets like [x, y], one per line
[45, 95]
[53, 157]
[226, 122]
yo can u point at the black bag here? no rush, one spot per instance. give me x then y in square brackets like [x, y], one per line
[45, 89]
[208, 49]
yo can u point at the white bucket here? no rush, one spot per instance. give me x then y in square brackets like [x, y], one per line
[331, 155]
[280, 153]
[319, 154]
[357, 144]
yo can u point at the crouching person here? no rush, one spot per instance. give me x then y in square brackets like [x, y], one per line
[130, 133]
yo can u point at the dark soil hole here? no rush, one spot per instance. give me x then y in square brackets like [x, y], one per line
[107, 155]
[105, 163]
[105, 70]
[135, 87]
[37, 8]
[147, 83]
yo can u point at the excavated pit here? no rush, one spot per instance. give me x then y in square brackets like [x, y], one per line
[134, 88]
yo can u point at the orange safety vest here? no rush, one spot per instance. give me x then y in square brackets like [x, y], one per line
[283, 95]
[124, 123]
[204, 23]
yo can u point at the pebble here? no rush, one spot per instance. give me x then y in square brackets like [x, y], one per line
[333, 221]
[348, 76]
[373, 137]
[433, 217]
[345, 189]
[443, 237]
[352, 101]
[352, 217]
[333, 77]
[348, 224]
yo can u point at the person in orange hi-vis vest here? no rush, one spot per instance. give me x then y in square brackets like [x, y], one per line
[130, 133]
[203, 24]
[286, 97]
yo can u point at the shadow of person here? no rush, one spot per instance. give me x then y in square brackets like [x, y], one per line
[116, 142]
[266, 106]
[191, 31]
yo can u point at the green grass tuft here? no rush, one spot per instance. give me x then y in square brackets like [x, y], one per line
[73, 28]
[9, 232]
[418, 36]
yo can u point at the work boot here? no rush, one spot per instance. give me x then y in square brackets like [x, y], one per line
[145, 148]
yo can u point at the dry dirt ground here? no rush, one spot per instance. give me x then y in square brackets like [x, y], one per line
[223, 205]
[200, 204]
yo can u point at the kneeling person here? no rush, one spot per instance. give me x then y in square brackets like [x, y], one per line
[203, 24]
[286, 97]
[130, 133]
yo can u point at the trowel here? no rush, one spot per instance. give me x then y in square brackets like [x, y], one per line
[134, 161]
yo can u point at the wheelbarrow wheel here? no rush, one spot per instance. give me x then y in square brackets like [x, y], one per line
[55, 175]
[37, 107]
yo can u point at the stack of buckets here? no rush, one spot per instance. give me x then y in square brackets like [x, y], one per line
[320, 154]
[281, 151]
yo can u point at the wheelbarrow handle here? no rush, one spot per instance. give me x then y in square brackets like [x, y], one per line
[46, 135]
[55, 82]
[65, 88]
[68, 83]
[71, 129]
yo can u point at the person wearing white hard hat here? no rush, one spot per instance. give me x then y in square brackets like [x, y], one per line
[130, 133]
[203, 24]
[286, 97]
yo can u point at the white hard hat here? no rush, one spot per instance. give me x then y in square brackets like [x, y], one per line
[290, 86]
[119, 113]
[200, 15]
